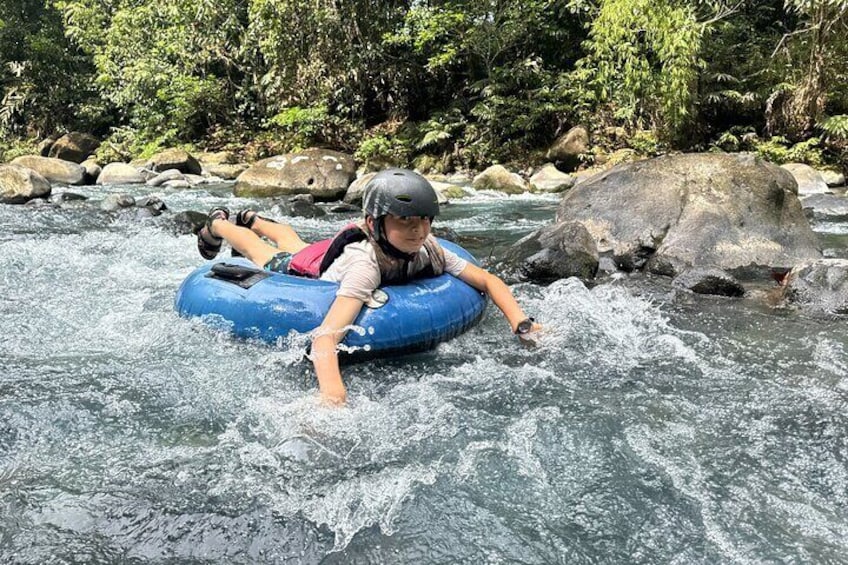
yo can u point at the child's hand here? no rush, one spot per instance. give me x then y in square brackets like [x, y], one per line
[531, 338]
[332, 400]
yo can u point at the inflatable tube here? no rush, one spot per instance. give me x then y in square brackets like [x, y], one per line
[253, 303]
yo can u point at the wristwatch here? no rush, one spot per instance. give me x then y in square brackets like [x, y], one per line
[524, 326]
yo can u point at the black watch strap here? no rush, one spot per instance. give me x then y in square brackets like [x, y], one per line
[524, 326]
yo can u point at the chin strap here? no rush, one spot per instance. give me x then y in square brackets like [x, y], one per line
[388, 248]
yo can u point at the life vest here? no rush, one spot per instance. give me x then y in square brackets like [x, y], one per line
[314, 260]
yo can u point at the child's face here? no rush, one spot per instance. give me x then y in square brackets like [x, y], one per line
[408, 233]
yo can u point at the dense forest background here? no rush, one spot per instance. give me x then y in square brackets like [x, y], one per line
[441, 84]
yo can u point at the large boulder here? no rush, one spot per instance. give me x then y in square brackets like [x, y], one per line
[74, 146]
[731, 211]
[832, 179]
[497, 177]
[356, 191]
[819, 286]
[568, 148]
[225, 171]
[45, 145]
[809, 180]
[708, 280]
[20, 184]
[56, 171]
[92, 170]
[120, 173]
[551, 179]
[554, 252]
[322, 173]
[179, 159]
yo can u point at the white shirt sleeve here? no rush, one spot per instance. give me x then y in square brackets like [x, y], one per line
[356, 271]
[454, 264]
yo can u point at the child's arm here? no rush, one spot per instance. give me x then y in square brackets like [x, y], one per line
[497, 290]
[324, 355]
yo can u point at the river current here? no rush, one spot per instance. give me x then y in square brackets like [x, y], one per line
[648, 426]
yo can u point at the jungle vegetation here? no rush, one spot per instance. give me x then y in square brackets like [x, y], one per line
[443, 83]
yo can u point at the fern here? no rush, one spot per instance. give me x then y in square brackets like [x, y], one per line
[836, 127]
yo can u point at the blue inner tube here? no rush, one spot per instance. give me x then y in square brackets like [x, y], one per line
[253, 303]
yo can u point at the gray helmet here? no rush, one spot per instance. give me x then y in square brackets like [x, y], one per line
[400, 192]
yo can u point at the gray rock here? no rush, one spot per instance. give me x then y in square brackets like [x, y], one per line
[45, 145]
[826, 207]
[344, 209]
[55, 171]
[809, 180]
[568, 148]
[179, 159]
[151, 202]
[92, 170]
[187, 222]
[732, 211]
[551, 179]
[497, 177]
[301, 205]
[115, 202]
[120, 173]
[832, 179]
[225, 171]
[554, 252]
[819, 286]
[216, 158]
[165, 176]
[177, 183]
[65, 197]
[356, 191]
[705, 280]
[74, 146]
[324, 174]
[20, 184]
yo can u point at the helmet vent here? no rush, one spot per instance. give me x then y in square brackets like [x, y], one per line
[404, 197]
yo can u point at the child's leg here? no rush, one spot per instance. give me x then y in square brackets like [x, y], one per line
[245, 241]
[285, 238]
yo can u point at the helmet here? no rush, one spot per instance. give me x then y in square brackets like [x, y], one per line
[400, 192]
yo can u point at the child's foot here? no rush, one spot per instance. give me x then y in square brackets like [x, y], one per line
[209, 244]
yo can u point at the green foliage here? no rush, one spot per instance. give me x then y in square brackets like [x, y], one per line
[646, 143]
[11, 148]
[836, 127]
[780, 150]
[643, 58]
[382, 150]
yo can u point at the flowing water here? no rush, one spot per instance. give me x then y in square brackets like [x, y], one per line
[648, 426]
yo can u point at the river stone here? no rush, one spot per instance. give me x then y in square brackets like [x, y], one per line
[826, 207]
[74, 146]
[20, 184]
[114, 202]
[551, 179]
[225, 171]
[165, 176]
[44, 146]
[300, 206]
[809, 180]
[731, 211]
[65, 197]
[92, 170]
[820, 286]
[446, 191]
[55, 171]
[174, 158]
[567, 149]
[324, 174]
[120, 173]
[216, 158]
[356, 190]
[708, 280]
[833, 179]
[554, 252]
[497, 177]
[188, 222]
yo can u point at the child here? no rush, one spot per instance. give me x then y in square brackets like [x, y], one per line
[391, 245]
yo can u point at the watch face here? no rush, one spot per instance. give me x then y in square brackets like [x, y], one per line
[524, 327]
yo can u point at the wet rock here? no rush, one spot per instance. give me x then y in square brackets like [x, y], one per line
[446, 233]
[554, 252]
[830, 207]
[177, 183]
[447, 191]
[704, 280]
[74, 147]
[45, 145]
[324, 174]
[301, 206]
[732, 211]
[216, 158]
[179, 159]
[497, 177]
[92, 170]
[165, 176]
[551, 179]
[809, 180]
[819, 286]
[20, 184]
[65, 197]
[188, 222]
[115, 202]
[344, 209]
[225, 171]
[832, 179]
[120, 173]
[55, 171]
[568, 148]
[151, 202]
